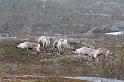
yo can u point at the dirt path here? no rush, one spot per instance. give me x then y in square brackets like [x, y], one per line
[36, 77]
[91, 30]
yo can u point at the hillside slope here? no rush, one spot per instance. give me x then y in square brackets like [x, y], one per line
[29, 16]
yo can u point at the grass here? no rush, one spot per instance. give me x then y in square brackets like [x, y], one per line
[17, 61]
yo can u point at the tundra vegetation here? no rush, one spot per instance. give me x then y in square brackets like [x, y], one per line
[14, 61]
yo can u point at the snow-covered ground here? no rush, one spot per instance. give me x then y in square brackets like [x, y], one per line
[115, 33]
[96, 79]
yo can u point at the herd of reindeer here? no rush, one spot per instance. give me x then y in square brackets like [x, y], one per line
[60, 44]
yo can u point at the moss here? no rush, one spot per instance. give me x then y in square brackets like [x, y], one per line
[2, 72]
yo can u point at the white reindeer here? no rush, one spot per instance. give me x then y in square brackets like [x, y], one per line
[29, 45]
[44, 41]
[86, 52]
[61, 45]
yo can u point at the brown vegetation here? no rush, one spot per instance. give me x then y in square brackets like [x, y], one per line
[17, 61]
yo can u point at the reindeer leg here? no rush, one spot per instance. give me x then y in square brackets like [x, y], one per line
[43, 46]
[97, 59]
[59, 50]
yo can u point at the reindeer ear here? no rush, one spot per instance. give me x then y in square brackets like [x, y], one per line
[74, 48]
[50, 39]
[18, 42]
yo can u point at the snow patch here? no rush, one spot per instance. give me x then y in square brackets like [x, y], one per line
[115, 33]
